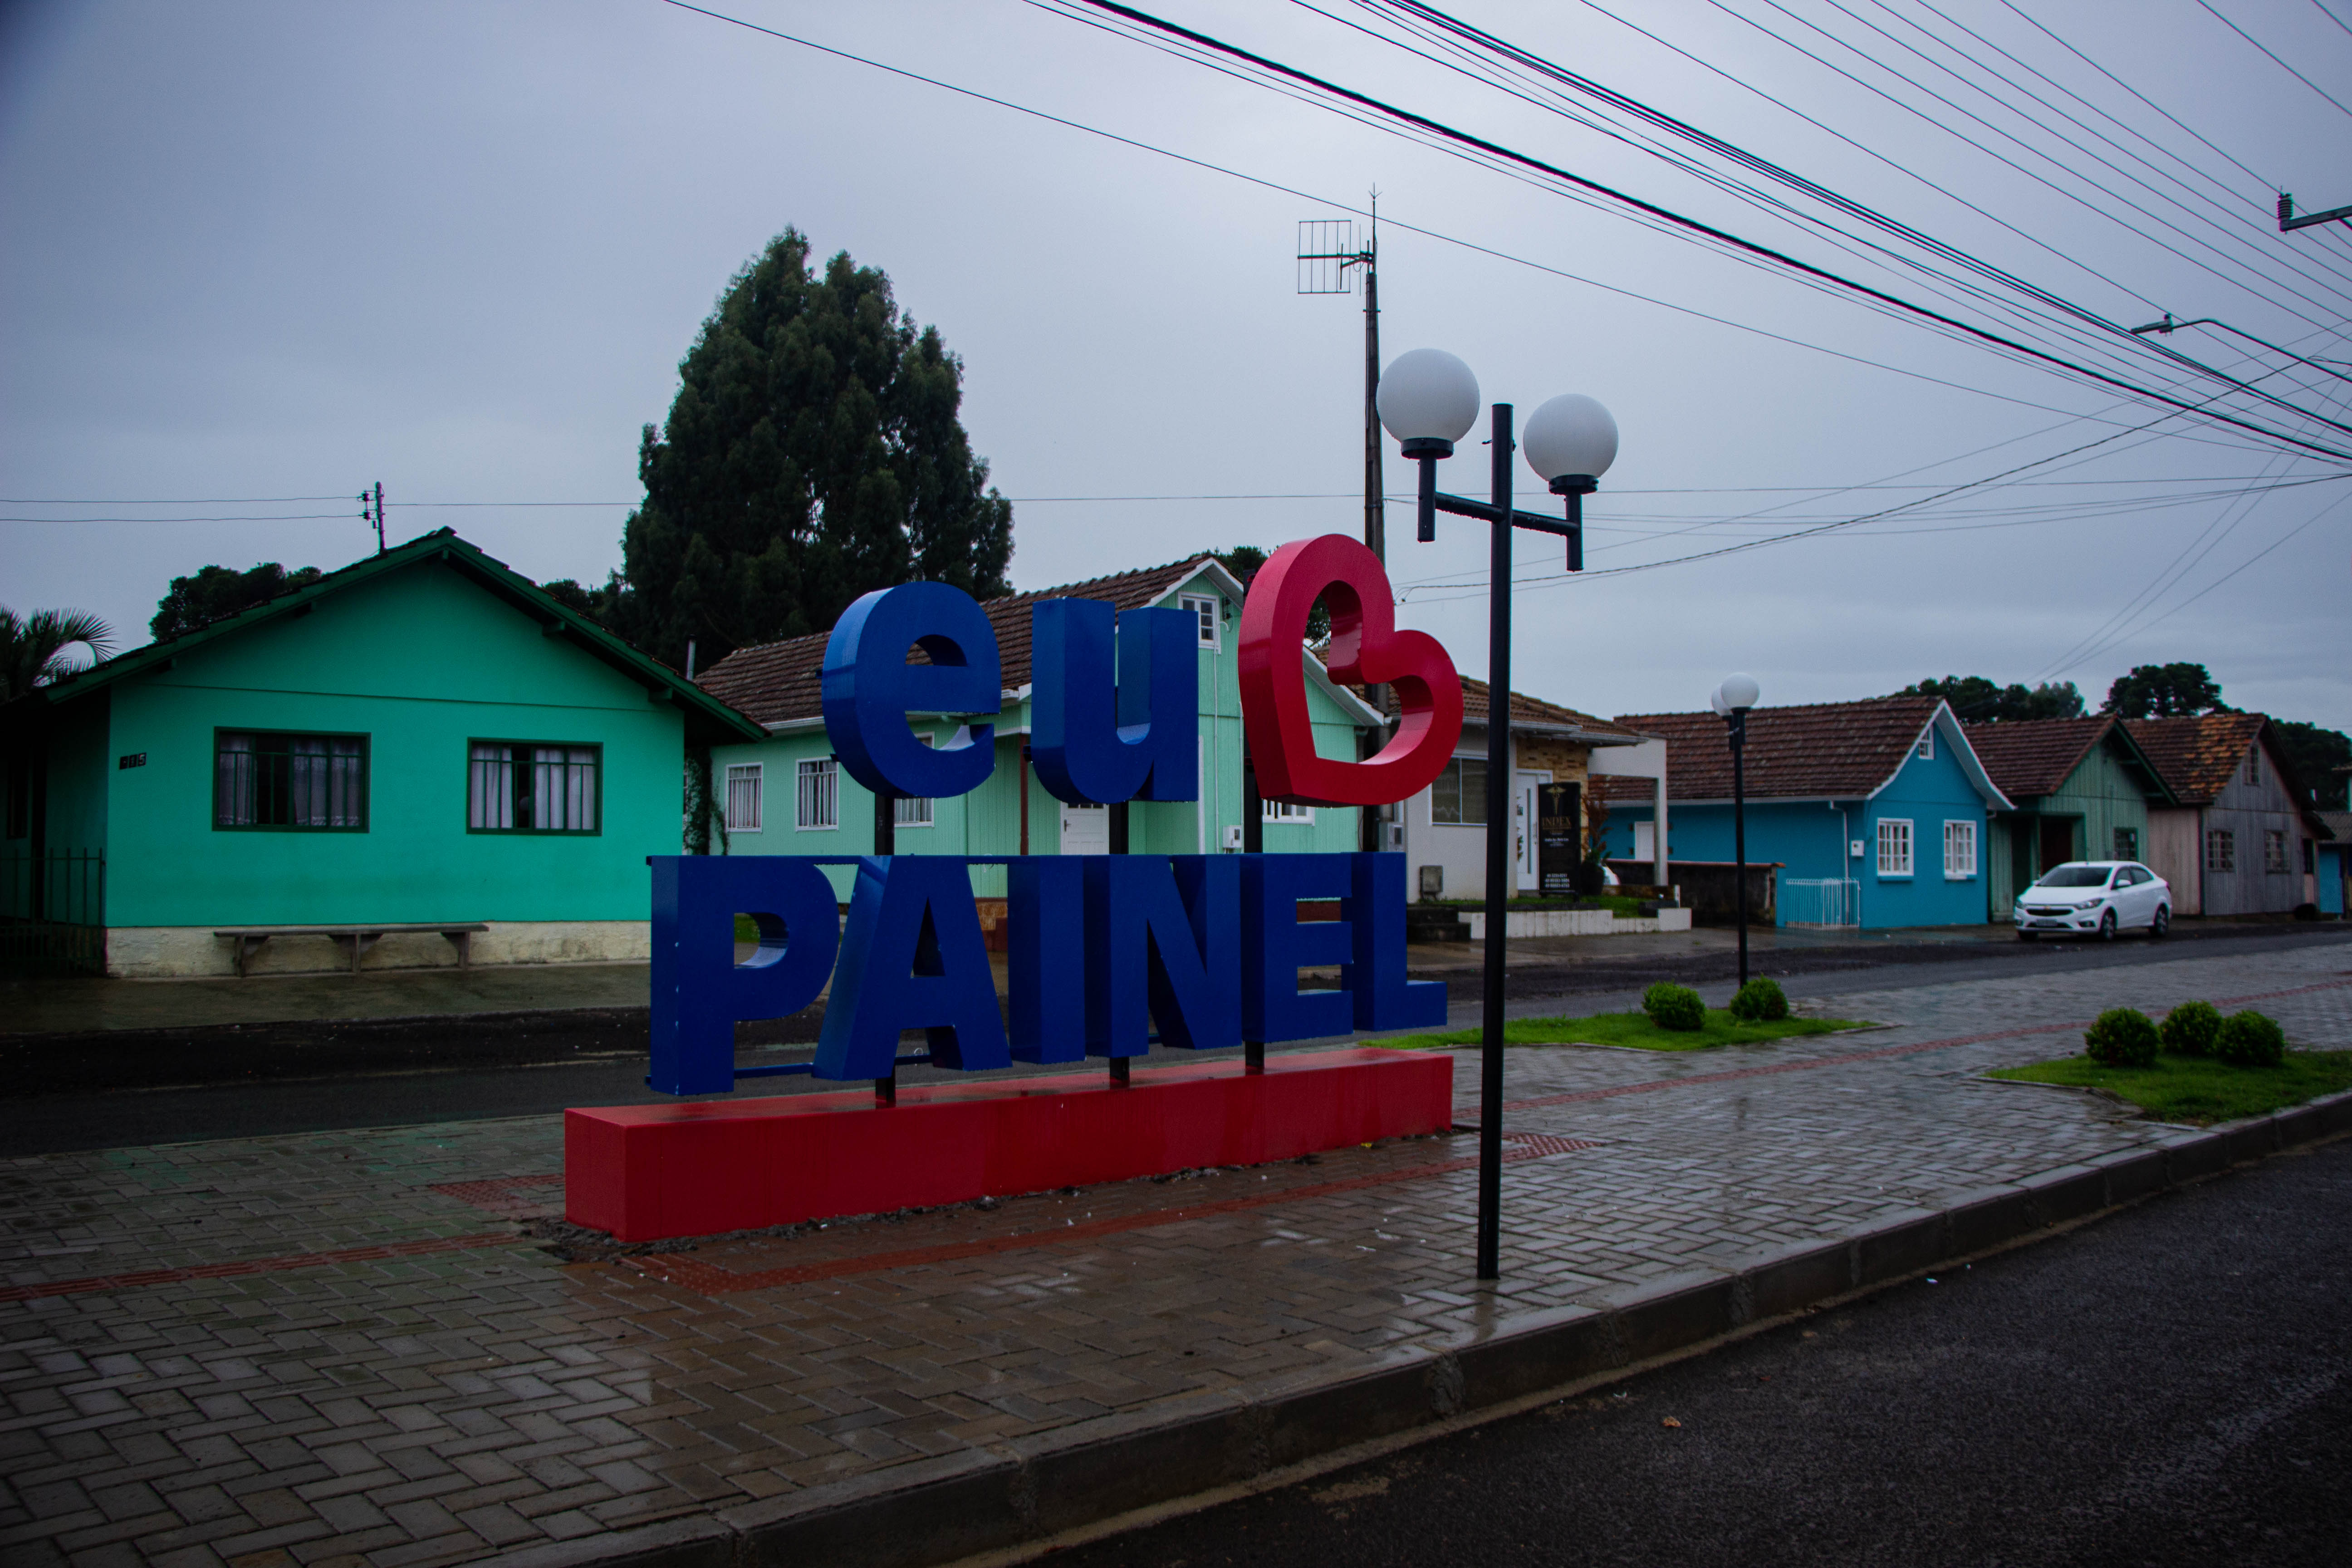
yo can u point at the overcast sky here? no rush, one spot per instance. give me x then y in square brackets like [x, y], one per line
[287, 251]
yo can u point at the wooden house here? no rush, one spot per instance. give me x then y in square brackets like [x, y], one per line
[2081, 790]
[2239, 841]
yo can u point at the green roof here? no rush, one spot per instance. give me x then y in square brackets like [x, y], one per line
[709, 721]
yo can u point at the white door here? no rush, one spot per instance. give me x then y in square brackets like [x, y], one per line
[1085, 829]
[1645, 841]
[1524, 814]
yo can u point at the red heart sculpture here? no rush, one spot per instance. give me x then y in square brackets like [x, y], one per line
[1365, 647]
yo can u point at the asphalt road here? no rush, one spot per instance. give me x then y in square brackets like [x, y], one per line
[2172, 1386]
[56, 1122]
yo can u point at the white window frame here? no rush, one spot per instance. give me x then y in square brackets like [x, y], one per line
[1208, 611]
[1454, 763]
[2254, 765]
[1960, 850]
[1896, 846]
[2274, 856]
[752, 774]
[1926, 749]
[913, 810]
[817, 782]
[1284, 811]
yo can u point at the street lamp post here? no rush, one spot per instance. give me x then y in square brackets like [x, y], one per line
[1429, 400]
[1733, 698]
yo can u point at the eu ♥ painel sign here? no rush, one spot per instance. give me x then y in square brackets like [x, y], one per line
[1105, 952]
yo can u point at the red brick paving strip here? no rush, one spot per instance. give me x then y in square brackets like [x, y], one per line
[378, 1253]
[710, 1279]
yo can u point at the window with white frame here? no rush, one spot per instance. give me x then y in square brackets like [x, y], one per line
[2275, 851]
[744, 781]
[1203, 607]
[913, 810]
[2255, 766]
[1894, 847]
[1960, 851]
[819, 793]
[1284, 811]
[1926, 749]
[1458, 798]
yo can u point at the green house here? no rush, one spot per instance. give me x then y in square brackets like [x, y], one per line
[2082, 789]
[786, 795]
[422, 740]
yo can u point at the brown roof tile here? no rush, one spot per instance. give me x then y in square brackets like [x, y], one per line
[779, 681]
[2197, 756]
[1815, 752]
[1526, 712]
[2034, 756]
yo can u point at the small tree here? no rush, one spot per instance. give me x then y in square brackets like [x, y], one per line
[217, 591]
[32, 648]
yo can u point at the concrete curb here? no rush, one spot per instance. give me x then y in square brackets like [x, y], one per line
[998, 1499]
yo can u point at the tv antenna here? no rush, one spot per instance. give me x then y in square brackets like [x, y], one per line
[1330, 262]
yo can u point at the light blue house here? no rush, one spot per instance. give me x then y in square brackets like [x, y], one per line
[1875, 811]
[788, 795]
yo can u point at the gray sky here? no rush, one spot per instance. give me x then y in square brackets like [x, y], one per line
[288, 249]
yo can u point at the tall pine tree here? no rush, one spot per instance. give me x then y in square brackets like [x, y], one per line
[813, 453]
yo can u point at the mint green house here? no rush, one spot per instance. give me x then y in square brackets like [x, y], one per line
[785, 794]
[422, 740]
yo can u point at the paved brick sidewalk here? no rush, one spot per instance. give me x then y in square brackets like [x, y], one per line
[339, 1348]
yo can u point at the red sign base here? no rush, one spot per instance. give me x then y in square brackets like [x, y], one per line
[648, 1171]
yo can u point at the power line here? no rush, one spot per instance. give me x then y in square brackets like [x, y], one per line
[1439, 236]
[2274, 59]
[1720, 236]
[298, 517]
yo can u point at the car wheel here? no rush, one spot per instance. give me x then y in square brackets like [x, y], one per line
[2107, 926]
[2163, 921]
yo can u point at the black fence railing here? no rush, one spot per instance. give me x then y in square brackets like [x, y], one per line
[53, 912]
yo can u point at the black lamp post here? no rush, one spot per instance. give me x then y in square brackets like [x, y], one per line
[1429, 400]
[1733, 698]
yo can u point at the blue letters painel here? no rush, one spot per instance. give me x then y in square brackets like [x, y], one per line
[1096, 740]
[868, 688]
[699, 990]
[1103, 947]
[911, 958]
[1162, 943]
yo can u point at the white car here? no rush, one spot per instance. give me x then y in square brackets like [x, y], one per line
[2094, 897]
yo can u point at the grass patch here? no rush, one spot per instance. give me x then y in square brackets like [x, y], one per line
[1628, 1029]
[2198, 1088]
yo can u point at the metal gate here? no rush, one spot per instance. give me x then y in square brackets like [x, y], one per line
[1824, 902]
[53, 912]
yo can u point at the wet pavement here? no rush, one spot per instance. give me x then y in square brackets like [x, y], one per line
[356, 1346]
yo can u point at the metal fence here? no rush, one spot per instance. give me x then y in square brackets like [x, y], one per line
[1826, 903]
[53, 912]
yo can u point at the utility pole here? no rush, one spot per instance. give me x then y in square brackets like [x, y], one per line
[1328, 255]
[2288, 221]
[371, 511]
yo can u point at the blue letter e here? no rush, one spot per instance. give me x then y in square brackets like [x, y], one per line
[869, 688]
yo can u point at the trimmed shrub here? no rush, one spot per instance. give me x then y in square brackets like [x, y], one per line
[2248, 1039]
[1760, 1001]
[2122, 1037]
[1672, 1006]
[2190, 1029]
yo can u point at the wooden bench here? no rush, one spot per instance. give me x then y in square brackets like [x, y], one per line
[250, 940]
